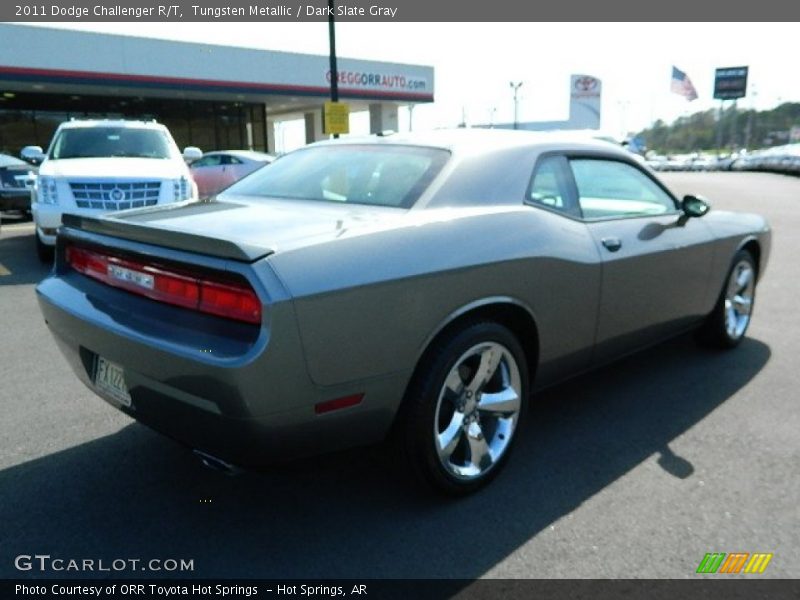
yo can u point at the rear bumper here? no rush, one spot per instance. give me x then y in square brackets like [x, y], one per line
[186, 418]
[250, 403]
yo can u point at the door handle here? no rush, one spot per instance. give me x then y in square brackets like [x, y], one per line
[612, 244]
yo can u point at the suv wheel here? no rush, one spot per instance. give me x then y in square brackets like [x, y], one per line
[43, 251]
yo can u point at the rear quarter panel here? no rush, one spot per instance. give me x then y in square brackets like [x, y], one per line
[367, 305]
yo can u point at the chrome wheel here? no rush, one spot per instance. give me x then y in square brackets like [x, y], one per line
[727, 323]
[739, 299]
[477, 411]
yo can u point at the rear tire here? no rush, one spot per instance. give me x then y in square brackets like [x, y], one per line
[43, 251]
[727, 324]
[463, 408]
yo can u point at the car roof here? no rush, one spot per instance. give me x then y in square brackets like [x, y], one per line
[465, 141]
[248, 154]
[124, 123]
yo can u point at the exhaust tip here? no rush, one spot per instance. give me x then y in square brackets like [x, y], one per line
[217, 464]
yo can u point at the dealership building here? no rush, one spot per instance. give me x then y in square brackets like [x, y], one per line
[210, 96]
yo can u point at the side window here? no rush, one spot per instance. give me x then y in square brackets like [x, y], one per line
[549, 186]
[208, 161]
[227, 159]
[609, 188]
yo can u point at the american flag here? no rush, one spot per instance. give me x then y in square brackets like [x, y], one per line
[682, 85]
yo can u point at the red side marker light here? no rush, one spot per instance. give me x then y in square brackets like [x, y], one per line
[338, 403]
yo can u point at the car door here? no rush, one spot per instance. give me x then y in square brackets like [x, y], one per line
[655, 260]
[206, 172]
[229, 172]
[568, 276]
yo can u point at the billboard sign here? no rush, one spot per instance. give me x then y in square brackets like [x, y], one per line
[730, 83]
[584, 102]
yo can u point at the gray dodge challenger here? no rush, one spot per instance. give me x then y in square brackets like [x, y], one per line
[416, 288]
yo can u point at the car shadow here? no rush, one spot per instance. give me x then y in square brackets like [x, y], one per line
[20, 264]
[134, 494]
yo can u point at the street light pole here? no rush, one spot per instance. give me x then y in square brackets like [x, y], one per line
[750, 116]
[334, 69]
[515, 87]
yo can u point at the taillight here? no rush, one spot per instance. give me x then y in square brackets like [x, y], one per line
[229, 301]
[224, 299]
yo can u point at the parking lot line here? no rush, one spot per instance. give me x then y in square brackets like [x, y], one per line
[17, 226]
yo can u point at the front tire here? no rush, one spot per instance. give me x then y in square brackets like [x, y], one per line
[43, 251]
[464, 407]
[727, 324]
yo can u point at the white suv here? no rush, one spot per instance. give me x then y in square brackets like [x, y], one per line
[101, 166]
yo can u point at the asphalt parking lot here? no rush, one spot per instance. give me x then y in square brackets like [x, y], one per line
[634, 471]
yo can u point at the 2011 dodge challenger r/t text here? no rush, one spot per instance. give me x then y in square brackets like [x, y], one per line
[414, 287]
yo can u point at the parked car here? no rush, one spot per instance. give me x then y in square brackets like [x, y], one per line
[703, 162]
[217, 170]
[657, 162]
[16, 181]
[725, 162]
[779, 159]
[101, 166]
[414, 287]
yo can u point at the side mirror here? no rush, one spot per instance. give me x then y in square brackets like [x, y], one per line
[694, 206]
[32, 154]
[192, 153]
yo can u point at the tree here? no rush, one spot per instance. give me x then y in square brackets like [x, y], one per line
[738, 128]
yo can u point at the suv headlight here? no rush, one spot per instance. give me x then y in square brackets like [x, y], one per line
[46, 190]
[182, 189]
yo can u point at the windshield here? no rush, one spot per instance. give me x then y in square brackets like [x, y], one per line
[378, 175]
[94, 142]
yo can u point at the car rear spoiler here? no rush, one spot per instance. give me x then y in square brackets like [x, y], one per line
[168, 238]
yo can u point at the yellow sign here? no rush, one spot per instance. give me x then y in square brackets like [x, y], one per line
[337, 118]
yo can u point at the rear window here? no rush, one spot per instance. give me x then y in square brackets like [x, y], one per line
[378, 175]
[96, 142]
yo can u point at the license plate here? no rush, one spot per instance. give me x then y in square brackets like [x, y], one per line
[110, 378]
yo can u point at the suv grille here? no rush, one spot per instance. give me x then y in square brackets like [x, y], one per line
[116, 196]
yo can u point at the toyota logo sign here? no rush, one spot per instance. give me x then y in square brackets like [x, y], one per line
[586, 84]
